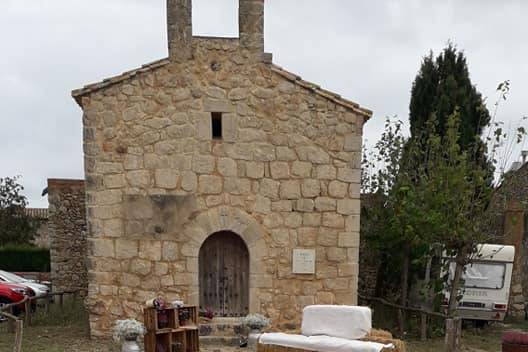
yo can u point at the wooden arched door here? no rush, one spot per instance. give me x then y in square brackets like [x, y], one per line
[224, 275]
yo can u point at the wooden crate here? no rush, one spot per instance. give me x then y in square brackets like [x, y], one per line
[163, 337]
[192, 313]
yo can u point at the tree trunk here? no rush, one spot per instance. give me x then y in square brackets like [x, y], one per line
[453, 331]
[454, 325]
[460, 261]
[423, 317]
[404, 277]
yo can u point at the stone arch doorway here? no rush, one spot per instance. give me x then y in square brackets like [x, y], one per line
[224, 275]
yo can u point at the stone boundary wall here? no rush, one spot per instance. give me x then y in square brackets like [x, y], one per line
[67, 233]
[504, 223]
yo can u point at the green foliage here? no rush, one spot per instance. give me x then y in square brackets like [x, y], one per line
[442, 87]
[15, 226]
[429, 193]
[422, 209]
[24, 258]
[393, 219]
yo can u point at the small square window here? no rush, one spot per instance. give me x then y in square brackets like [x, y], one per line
[216, 124]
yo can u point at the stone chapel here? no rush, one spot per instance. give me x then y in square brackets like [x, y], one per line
[216, 177]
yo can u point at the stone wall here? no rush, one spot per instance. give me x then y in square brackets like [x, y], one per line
[42, 239]
[67, 233]
[285, 175]
[507, 214]
[39, 219]
[369, 258]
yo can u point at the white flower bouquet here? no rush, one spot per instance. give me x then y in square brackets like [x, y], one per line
[128, 330]
[256, 321]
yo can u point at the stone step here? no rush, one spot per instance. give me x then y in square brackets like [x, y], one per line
[221, 327]
[220, 341]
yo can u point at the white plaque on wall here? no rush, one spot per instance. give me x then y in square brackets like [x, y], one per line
[304, 261]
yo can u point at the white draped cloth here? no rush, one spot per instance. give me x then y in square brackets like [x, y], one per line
[348, 322]
[330, 329]
[321, 343]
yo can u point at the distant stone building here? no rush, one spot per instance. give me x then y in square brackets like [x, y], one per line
[217, 177]
[39, 218]
[508, 225]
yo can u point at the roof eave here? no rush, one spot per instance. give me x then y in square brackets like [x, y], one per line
[336, 98]
[78, 94]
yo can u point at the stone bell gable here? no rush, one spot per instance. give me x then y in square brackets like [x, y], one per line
[216, 152]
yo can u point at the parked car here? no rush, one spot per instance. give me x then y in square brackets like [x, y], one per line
[486, 286]
[39, 289]
[13, 293]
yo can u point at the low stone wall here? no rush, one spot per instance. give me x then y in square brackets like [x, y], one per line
[67, 233]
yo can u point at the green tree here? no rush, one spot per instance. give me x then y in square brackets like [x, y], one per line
[456, 196]
[15, 225]
[441, 87]
[394, 224]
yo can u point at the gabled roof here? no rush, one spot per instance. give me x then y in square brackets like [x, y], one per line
[336, 98]
[77, 94]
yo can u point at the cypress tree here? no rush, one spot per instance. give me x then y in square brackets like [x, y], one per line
[442, 86]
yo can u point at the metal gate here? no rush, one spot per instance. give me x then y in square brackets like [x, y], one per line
[224, 275]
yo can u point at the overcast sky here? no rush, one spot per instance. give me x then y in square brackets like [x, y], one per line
[367, 51]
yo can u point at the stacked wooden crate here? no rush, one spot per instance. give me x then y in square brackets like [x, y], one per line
[172, 329]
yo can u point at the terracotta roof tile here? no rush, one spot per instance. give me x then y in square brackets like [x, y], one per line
[37, 213]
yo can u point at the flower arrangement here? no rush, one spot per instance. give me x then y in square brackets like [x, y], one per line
[184, 316]
[128, 330]
[207, 313]
[256, 321]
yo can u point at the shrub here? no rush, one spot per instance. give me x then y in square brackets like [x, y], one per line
[24, 258]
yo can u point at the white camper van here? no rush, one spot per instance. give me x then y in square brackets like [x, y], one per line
[487, 281]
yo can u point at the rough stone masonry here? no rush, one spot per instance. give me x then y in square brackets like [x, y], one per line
[67, 234]
[218, 138]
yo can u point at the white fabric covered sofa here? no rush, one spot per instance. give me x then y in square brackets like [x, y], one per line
[329, 329]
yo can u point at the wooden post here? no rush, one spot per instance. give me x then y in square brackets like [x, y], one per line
[18, 337]
[453, 332]
[61, 300]
[10, 322]
[47, 303]
[423, 316]
[27, 311]
[401, 323]
[423, 326]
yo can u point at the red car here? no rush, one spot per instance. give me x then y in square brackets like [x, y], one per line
[12, 293]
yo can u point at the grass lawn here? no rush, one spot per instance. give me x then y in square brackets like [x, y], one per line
[56, 339]
[59, 331]
[473, 340]
[67, 330]
[74, 337]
